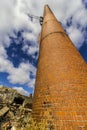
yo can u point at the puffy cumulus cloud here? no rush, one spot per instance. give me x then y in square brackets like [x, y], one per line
[2, 51]
[76, 35]
[5, 65]
[77, 12]
[80, 16]
[30, 50]
[21, 91]
[13, 16]
[31, 83]
[28, 36]
[21, 75]
[85, 3]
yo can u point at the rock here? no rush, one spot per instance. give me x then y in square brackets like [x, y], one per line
[13, 128]
[10, 115]
[7, 125]
[15, 109]
[3, 111]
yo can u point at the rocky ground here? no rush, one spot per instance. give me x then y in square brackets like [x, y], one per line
[15, 109]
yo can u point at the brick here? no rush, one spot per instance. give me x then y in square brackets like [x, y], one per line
[61, 82]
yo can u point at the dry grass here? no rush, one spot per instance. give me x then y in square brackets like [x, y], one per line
[32, 125]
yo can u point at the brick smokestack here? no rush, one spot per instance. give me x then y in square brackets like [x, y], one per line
[61, 82]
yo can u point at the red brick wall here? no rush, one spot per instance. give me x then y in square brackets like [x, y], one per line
[61, 82]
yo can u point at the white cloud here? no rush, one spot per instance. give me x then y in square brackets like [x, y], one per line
[29, 36]
[76, 35]
[21, 91]
[5, 65]
[80, 17]
[32, 50]
[21, 75]
[13, 16]
[31, 83]
[25, 47]
[2, 51]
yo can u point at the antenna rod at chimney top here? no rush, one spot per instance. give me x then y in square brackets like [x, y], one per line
[36, 17]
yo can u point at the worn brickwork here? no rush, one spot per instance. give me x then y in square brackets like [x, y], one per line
[61, 82]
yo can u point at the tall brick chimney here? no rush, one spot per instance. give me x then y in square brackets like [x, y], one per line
[60, 93]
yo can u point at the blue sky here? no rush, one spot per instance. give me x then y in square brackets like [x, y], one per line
[19, 35]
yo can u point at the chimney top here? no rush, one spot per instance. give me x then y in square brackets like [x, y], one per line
[47, 10]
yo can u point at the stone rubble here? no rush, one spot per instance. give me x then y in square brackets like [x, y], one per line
[15, 109]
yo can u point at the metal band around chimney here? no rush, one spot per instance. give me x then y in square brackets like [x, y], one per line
[52, 34]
